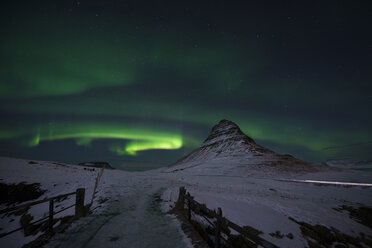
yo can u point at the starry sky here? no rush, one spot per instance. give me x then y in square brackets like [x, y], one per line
[143, 82]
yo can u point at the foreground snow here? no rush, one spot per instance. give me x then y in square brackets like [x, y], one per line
[128, 210]
[54, 177]
[263, 200]
[133, 218]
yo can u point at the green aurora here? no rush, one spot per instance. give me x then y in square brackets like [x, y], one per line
[145, 83]
[84, 133]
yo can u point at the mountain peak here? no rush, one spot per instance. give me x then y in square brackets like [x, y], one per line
[225, 140]
[224, 125]
[226, 131]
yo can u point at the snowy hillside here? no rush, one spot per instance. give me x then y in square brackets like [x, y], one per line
[351, 164]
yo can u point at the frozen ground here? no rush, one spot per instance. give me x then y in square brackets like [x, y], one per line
[133, 214]
[261, 199]
[133, 218]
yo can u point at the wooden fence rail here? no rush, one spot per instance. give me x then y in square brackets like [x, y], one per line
[80, 209]
[221, 225]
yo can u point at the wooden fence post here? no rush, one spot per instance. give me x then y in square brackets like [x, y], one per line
[180, 205]
[188, 206]
[79, 208]
[98, 178]
[51, 212]
[218, 228]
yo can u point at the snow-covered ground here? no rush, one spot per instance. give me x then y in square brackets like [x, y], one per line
[128, 210]
[265, 201]
[54, 177]
[134, 215]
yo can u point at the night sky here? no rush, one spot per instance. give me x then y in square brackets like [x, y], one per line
[145, 81]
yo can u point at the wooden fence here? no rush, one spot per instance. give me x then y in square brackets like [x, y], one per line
[98, 178]
[221, 225]
[80, 209]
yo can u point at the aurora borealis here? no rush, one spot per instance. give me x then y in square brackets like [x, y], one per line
[146, 80]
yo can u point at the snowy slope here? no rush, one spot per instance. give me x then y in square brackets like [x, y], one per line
[351, 164]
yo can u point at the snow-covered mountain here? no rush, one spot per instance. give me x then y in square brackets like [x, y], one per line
[227, 144]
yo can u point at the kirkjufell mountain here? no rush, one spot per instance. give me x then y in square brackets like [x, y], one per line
[228, 146]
